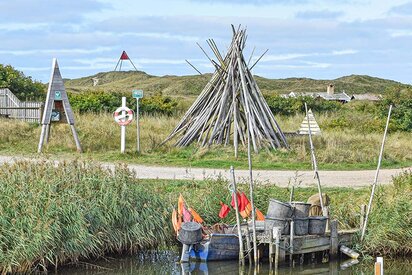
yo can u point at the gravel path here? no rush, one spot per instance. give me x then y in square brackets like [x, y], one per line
[357, 178]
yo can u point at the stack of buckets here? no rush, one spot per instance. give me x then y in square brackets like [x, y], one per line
[280, 214]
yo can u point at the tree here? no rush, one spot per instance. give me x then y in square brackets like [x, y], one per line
[22, 86]
[401, 98]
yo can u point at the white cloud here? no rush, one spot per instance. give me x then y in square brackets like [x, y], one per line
[55, 51]
[344, 52]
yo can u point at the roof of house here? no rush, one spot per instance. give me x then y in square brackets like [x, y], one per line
[370, 97]
[336, 96]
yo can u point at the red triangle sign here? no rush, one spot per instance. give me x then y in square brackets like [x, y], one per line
[124, 56]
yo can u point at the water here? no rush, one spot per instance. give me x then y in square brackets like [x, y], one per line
[165, 262]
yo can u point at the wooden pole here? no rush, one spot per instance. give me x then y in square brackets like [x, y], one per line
[376, 175]
[314, 163]
[239, 230]
[276, 234]
[42, 135]
[123, 129]
[76, 139]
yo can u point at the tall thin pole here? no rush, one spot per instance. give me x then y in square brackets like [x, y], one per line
[239, 230]
[255, 257]
[123, 130]
[314, 163]
[138, 125]
[376, 175]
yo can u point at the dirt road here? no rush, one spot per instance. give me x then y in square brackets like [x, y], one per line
[281, 178]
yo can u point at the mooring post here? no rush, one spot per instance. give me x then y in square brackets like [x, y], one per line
[271, 248]
[248, 247]
[276, 235]
[334, 241]
[379, 266]
[292, 236]
[185, 254]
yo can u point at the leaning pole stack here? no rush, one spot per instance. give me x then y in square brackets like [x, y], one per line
[230, 106]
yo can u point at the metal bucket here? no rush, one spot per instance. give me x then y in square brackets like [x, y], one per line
[190, 233]
[301, 226]
[270, 223]
[279, 210]
[300, 209]
[317, 225]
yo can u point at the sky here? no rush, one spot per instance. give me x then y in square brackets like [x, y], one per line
[321, 39]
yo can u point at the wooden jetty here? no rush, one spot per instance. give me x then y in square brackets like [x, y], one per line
[306, 246]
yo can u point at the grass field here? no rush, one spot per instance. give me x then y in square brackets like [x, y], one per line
[336, 148]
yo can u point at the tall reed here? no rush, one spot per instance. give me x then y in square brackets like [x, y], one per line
[50, 215]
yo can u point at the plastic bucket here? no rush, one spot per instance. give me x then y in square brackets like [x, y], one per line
[279, 210]
[300, 209]
[317, 225]
[301, 226]
[270, 223]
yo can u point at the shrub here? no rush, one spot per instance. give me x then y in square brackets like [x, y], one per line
[100, 101]
[401, 98]
[22, 86]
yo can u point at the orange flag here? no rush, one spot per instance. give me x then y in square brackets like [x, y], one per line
[246, 213]
[180, 205]
[175, 222]
[196, 217]
[259, 215]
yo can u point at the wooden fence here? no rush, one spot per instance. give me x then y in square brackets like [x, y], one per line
[12, 107]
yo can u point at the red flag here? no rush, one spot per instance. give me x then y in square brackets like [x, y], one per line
[224, 210]
[243, 202]
[233, 200]
[186, 215]
[124, 56]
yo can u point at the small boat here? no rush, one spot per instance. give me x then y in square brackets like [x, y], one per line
[218, 247]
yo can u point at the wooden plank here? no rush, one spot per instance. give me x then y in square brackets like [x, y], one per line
[334, 241]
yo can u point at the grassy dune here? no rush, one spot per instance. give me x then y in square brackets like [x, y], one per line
[191, 85]
[100, 138]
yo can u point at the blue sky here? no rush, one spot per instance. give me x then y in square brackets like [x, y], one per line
[322, 39]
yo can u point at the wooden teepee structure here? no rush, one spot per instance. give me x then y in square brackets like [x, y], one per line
[230, 107]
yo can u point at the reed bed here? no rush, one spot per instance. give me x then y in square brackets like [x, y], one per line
[50, 215]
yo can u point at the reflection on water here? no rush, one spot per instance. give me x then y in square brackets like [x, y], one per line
[165, 262]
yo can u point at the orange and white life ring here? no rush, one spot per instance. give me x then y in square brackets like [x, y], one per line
[123, 116]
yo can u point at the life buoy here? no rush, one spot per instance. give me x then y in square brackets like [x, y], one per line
[123, 116]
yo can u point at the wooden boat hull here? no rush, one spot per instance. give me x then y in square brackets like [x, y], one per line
[220, 247]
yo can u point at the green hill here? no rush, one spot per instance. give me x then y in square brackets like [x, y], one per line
[190, 86]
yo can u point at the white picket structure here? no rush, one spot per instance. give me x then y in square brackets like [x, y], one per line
[29, 111]
[314, 127]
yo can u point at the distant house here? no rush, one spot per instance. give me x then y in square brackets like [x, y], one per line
[328, 95]
[368, 97]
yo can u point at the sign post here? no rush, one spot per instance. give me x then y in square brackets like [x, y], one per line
[123, 116]
[138, 94]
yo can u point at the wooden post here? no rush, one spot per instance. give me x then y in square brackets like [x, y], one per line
[185, 254]
[292, 235]
[249, 249]
[42, 134]
[376, 175]
[239, 230]
[379, 266]
[276, 235]
[76, 139]
[271, 248]
[334, 241]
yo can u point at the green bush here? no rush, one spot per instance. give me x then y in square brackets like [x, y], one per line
[401, 99]
[291, 106]
[100, 101]
[22, 86]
